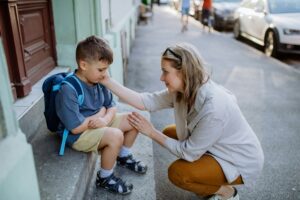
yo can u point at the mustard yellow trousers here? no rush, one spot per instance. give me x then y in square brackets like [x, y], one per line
[203, 177]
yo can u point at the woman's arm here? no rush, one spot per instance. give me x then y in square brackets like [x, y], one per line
[203, 137]
[129, 96]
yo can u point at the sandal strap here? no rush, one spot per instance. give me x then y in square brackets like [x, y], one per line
[119, 182]
[133, 164]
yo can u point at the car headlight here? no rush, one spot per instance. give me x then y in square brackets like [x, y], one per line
[288, 31]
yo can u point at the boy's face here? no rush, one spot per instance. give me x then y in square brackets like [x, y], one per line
[93, 71]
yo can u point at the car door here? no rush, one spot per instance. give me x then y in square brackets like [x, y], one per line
[259, 20]
[245, 12]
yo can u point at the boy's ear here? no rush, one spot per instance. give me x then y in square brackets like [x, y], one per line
[82, 65]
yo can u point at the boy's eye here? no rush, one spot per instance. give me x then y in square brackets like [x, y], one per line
[101, 70]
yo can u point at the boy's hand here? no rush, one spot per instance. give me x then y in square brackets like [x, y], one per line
[97, 122]
[141, 124]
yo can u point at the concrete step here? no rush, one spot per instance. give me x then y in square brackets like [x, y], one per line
[60, 177]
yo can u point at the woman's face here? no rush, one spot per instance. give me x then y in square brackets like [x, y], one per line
[171, 76]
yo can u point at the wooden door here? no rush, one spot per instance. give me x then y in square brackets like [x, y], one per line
[28, 39]
[37, 39]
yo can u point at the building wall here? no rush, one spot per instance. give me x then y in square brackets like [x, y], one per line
[18, 178]
[104, 18]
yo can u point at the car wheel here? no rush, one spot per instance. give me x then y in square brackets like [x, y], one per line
[236, 30]
[216, 23]
[270, 46]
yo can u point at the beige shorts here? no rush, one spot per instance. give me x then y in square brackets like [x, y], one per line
[89, 140]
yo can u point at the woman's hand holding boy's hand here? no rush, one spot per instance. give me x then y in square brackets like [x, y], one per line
[141, 124]
[97, 122]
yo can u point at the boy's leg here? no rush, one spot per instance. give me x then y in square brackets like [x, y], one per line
[109, 141]
[110, 145]
[203, 177]
[125, 158]
[130, 133]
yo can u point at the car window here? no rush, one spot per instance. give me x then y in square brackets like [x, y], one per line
[286, 6]
[249, 4]
[259, 6]
[226, 1]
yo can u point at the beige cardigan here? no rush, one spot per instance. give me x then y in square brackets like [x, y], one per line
[215, 125]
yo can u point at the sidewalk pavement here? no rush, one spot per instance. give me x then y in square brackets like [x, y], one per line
[266, 90]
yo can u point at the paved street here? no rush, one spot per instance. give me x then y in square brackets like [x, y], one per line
[267, 91]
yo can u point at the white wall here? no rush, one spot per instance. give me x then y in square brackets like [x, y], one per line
[120, 9]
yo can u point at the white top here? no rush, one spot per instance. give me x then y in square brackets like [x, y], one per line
[215, 125]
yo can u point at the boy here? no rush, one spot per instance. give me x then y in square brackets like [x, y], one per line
[94, 125]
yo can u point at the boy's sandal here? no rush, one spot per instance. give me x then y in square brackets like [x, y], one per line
[132, 164]
[114, 184]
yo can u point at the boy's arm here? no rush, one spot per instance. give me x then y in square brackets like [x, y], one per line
[92, 122]
[82, 127]
[101, 112]
[106, 114]
[110, 114]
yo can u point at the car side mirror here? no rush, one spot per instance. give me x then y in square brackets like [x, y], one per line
[265, 12]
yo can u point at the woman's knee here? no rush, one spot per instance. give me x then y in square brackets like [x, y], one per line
[177, 174]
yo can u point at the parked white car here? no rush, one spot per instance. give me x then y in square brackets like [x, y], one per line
[273, 24]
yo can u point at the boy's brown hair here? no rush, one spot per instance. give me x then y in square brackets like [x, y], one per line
[94, 49]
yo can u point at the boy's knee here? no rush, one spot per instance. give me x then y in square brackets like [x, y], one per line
[126, 126]
[116, 135]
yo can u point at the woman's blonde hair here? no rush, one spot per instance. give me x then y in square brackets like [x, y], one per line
[186, 59]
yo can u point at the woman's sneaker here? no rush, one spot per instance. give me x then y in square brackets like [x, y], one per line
[234, 197]
[132, 164]
[113, 184]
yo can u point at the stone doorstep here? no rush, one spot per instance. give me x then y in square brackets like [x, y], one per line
[60, 177]
[72, 176]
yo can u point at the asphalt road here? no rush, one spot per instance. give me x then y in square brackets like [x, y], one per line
[267, 91]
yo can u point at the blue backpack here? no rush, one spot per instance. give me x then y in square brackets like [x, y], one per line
[50, 88]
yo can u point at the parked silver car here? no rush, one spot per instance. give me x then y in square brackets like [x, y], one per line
[223, 13]
[273, 24]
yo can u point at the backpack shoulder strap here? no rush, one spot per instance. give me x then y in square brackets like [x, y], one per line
[75, 84]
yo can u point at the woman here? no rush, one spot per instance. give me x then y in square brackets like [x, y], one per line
[216, 146]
